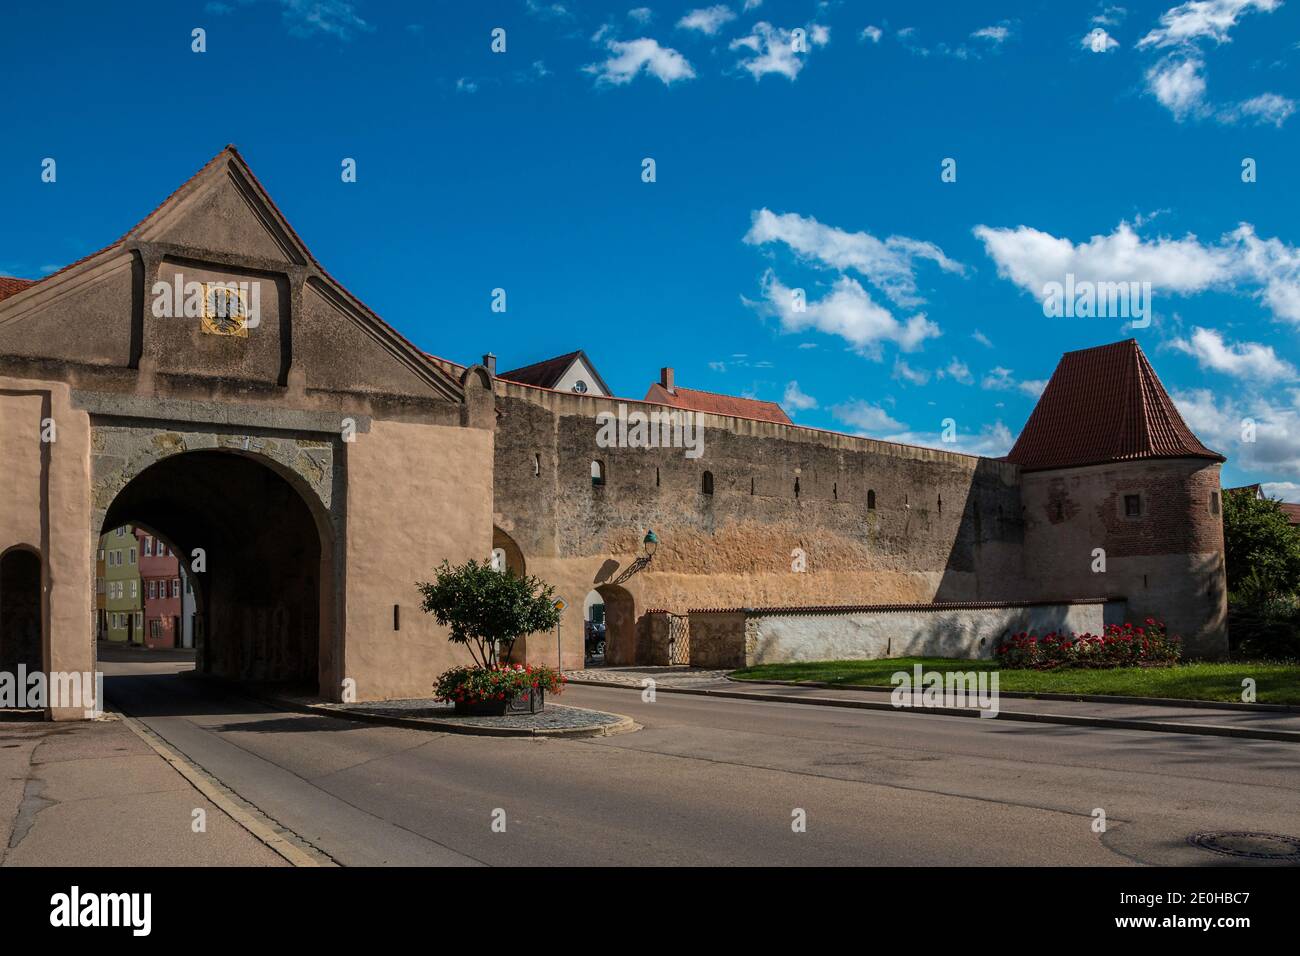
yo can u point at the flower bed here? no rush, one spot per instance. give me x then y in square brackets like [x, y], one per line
[1119, 645]
[473, 686]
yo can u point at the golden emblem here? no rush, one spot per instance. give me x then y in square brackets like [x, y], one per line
[225, 311]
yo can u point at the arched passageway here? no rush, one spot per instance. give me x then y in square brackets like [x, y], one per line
[620, 624]
[20, 610]
[257, 554]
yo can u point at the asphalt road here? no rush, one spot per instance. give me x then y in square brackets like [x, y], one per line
[713, 781]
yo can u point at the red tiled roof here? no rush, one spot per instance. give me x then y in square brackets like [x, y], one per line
[1104, 404]
[1292, 512]
[11, 285]
[548, 372]
[715, 404]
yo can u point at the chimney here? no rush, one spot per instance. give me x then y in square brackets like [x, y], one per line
[666, 380]
[490, 363]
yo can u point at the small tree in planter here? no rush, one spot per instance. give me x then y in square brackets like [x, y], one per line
[488, 611]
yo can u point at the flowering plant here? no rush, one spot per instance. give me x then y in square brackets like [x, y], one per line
[473, 685]
[1119, 645]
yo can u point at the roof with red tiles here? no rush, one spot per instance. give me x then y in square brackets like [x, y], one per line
[12, 285]
[1292, 512]
[548, 372]
[1104, 405]
[715, 404]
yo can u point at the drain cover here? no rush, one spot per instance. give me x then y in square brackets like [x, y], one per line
[1247, 845]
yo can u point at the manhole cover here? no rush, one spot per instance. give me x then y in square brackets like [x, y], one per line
[1251, 846]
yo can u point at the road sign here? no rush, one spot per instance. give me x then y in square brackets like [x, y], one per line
[560, 604]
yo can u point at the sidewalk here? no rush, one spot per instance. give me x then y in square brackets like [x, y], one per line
[96, 794]
[1220, 720]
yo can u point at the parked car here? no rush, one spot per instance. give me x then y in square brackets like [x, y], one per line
[595, 640]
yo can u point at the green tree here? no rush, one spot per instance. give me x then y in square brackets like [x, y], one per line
[488, 610]
[1261, 548]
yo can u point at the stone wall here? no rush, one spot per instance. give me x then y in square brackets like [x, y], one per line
[1168, 562]
[945, 526]
[743, 638]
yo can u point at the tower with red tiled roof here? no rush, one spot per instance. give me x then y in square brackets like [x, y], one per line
[1120, 497]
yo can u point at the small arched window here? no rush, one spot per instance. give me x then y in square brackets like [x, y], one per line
[597, 473]
[871, 500]
[706, 483]
[537, 465]
[796, 487]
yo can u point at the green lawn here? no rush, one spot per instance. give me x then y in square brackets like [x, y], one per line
[1274, 683]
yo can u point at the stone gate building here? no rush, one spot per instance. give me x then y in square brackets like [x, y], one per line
[205, 378]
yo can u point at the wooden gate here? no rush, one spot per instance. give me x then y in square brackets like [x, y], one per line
[679, 639]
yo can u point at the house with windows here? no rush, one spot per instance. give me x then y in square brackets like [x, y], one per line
[123, 608]
[160, 586]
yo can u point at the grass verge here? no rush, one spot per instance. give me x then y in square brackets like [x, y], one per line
[1274, 683]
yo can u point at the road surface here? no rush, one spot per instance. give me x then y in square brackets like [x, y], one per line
[724, 782]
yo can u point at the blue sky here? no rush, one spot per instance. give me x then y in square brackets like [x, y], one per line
[1089, 139]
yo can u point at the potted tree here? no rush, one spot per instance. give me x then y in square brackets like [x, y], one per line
[487, 611]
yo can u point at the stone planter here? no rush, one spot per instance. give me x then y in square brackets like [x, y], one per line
[531, 701]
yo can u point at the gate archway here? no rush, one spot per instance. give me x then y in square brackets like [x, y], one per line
[20, 610]
[260, 556]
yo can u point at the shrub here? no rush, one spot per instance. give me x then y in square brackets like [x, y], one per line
[1265, 629]
[488, 610]
[472, 685]
[1119, 645]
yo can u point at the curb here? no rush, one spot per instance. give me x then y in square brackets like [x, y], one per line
[625, 725]
[1027, 695]
[216, 794]
[1115, 723]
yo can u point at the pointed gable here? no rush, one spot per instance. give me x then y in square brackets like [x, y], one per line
[1102, 405]
[219, 226]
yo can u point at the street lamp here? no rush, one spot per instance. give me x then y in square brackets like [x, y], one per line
[651, 542]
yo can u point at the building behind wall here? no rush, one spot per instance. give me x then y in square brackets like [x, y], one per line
[123, 607]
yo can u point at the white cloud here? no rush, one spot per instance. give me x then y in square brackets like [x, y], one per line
[1099, 41]
[1283, 490]
[1033, 387]
[1178, 83]
[1220, 421]
[998, 379]
[707, 20]
[1267, 268]
[888, 264]
[796, 400]
[631, 57]
[1202, 19]
[866, 417]
[772, 49]
[848, 312]
[871, 33]
[1265, 108]
[305, 18]
[1248, 360]
[905, 372]
[995, 35]
[752, 5]
[981, 338]
[872, 421]
[466, 85]
[1111, 16]
[959, 371]
[1177, 80]
[641, 15]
